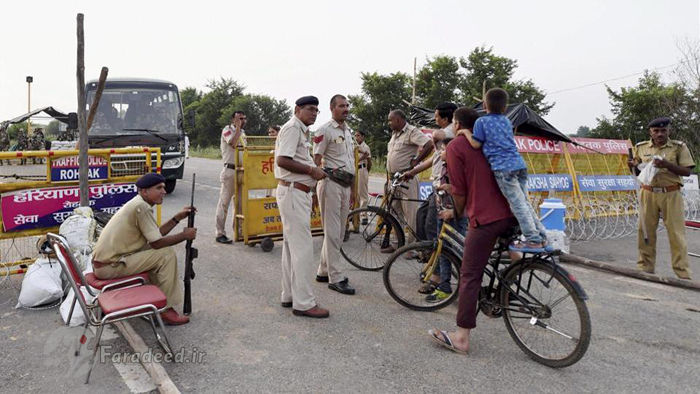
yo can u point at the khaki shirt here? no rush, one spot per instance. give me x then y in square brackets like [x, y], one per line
[403, 145]
[438, 163]
[293, 142]
[674, 151]
[228, 153]
[364, 148]
[335, 144]
[130, 230]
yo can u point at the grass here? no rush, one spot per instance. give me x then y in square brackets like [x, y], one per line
[208, 152]
[378, 165]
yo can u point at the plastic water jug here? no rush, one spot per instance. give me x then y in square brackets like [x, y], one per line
[552, 213]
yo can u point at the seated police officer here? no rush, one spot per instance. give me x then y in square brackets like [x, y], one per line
[132, 243]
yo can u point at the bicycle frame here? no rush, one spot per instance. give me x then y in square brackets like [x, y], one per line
[448, 238]
[389, 199]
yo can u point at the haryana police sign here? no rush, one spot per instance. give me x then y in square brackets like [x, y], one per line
[65, 169]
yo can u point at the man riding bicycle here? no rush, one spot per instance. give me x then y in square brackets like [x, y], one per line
[477, 195]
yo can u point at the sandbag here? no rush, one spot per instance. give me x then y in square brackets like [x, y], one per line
[79, 231]
[41, 284]
[78, 317]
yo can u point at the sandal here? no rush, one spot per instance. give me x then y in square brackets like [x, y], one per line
[443, 339]
[527, 246]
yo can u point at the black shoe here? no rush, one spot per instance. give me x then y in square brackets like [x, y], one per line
[222, 239]
[322, 279]
[287, 304]
[342, 287]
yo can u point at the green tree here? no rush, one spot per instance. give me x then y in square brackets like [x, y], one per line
[53, 128]
[483, 68]
[261, 111]
[437, 82]
[369, 111]
[209, 111]
[583, 131]
[633, 107]
[189, 95]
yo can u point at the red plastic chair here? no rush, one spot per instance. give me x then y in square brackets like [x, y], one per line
[146, 301]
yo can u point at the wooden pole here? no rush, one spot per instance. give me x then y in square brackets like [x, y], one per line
[98, 96]
[82, 126]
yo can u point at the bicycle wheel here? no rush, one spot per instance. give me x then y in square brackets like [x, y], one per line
[403, 276]
[544, 315]
[370, 229]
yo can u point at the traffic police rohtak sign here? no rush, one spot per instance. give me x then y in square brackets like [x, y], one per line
[67, 169]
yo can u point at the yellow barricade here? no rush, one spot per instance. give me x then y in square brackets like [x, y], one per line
[257, 218]
[43, 178]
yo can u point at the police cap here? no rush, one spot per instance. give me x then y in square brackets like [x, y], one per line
[306, 100]
[660, 122]
[148, 180]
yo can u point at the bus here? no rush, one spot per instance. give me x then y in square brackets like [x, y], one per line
[140, 112]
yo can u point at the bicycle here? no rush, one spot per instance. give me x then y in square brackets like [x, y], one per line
[542, 305]
[378, 227]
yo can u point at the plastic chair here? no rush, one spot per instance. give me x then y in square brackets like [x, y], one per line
[116, 305]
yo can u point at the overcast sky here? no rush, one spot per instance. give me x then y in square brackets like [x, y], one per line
[287, 49]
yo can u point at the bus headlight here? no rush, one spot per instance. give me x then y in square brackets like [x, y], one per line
[173, 163]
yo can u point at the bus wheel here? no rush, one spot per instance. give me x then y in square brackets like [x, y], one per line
[170, 185]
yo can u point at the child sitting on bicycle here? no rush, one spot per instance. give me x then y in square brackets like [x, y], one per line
[493, 133]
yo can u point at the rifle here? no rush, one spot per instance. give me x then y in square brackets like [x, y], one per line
[190, 254]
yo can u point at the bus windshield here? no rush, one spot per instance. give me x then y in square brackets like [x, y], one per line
[135, 111]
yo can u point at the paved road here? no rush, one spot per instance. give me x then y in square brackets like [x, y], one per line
[646, 337]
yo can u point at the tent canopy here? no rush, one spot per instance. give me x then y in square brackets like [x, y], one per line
[525, 121]
[51, 111]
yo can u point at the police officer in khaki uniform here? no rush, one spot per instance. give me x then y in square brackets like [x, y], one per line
[232, 136]
[408, 146]
[663, 196]
[296, 174]
[132, 243]
[334, 148]
[364, 165]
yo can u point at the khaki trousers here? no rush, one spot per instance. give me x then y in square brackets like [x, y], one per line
[334, 201]
[297, 247]
[362, 187]
[408, 209]
[161, 265]
[227, 178]
[670, 205]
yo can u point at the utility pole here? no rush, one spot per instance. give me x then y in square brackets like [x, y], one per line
[30, 79]
[413, 99]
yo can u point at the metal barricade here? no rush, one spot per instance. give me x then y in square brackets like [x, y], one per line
[39, 189]
[257, 218]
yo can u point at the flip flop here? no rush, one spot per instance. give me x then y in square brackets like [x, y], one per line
[445, 341]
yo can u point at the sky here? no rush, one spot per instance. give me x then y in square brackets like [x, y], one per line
[288, 49]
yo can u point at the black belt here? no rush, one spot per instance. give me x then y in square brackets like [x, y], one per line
[362, 166]
[229, 165]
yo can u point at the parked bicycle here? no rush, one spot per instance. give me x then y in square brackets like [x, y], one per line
[543, 306]
[372, 229]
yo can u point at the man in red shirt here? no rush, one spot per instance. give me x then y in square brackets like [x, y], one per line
[477, 195]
